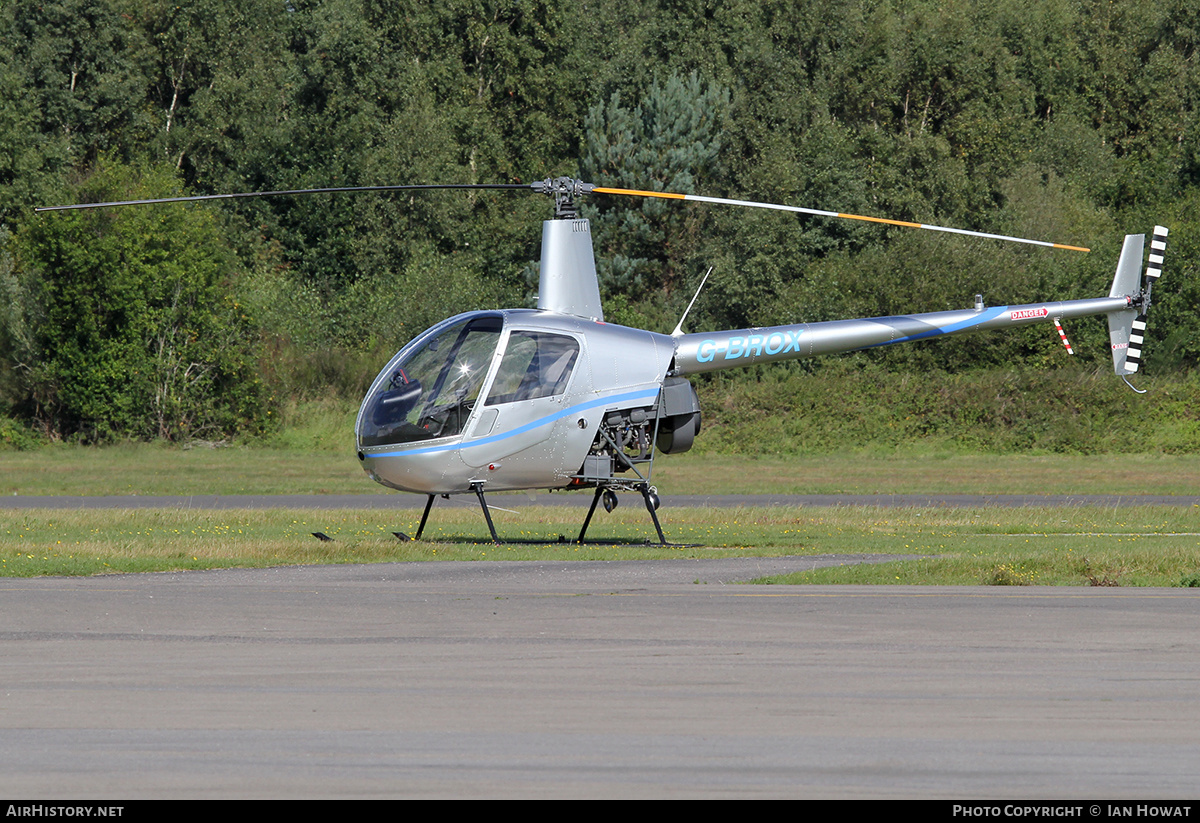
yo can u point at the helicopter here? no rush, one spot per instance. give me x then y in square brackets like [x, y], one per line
[556, 398]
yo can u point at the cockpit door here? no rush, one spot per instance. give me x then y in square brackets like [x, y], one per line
[527, 403]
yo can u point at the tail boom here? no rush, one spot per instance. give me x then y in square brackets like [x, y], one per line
[712, 351]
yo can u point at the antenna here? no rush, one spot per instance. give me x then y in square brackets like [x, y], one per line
[679, 326]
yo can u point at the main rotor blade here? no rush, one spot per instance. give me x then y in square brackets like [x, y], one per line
[285, 193]
[822, 213]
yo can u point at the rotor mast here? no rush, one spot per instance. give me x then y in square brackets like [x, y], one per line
[567, 281]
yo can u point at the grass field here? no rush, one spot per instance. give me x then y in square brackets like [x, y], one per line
[1138, 546]
[1128, 546]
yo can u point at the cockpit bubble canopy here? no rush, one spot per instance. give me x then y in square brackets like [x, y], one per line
[431, 386]
[429, 389]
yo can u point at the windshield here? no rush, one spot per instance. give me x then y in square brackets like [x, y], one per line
[430, 390]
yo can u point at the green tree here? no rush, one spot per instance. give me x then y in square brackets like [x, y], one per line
[30, 159]
[80, 60]
[131, 326]
[670, 142]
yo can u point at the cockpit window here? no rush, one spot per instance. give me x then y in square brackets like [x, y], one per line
[535, 364]
[431, 390]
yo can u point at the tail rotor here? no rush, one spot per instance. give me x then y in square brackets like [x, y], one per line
[1127, 329]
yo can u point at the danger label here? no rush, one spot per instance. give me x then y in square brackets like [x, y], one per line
[1028, 314]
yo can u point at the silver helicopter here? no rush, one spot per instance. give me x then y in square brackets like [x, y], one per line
[556, 398]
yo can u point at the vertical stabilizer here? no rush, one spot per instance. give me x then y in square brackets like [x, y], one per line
[568, 283]
[1128, 279]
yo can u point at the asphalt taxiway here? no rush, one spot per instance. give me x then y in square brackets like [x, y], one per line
[624, 679]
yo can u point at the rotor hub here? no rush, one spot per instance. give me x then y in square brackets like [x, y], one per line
[564, 190]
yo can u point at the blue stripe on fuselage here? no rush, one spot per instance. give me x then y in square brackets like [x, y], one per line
[982, 317]
[542, 421]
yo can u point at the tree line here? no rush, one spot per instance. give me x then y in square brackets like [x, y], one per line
[1073, 121]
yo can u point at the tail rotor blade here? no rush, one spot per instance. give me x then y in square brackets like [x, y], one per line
[1154, 264]
[1158, 250]
[1137, 336]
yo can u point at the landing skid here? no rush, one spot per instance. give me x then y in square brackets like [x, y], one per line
[648, 496]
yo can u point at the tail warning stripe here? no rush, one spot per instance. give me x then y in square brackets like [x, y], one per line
[1133, 355]
[1158, 248]
[1063, 335]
